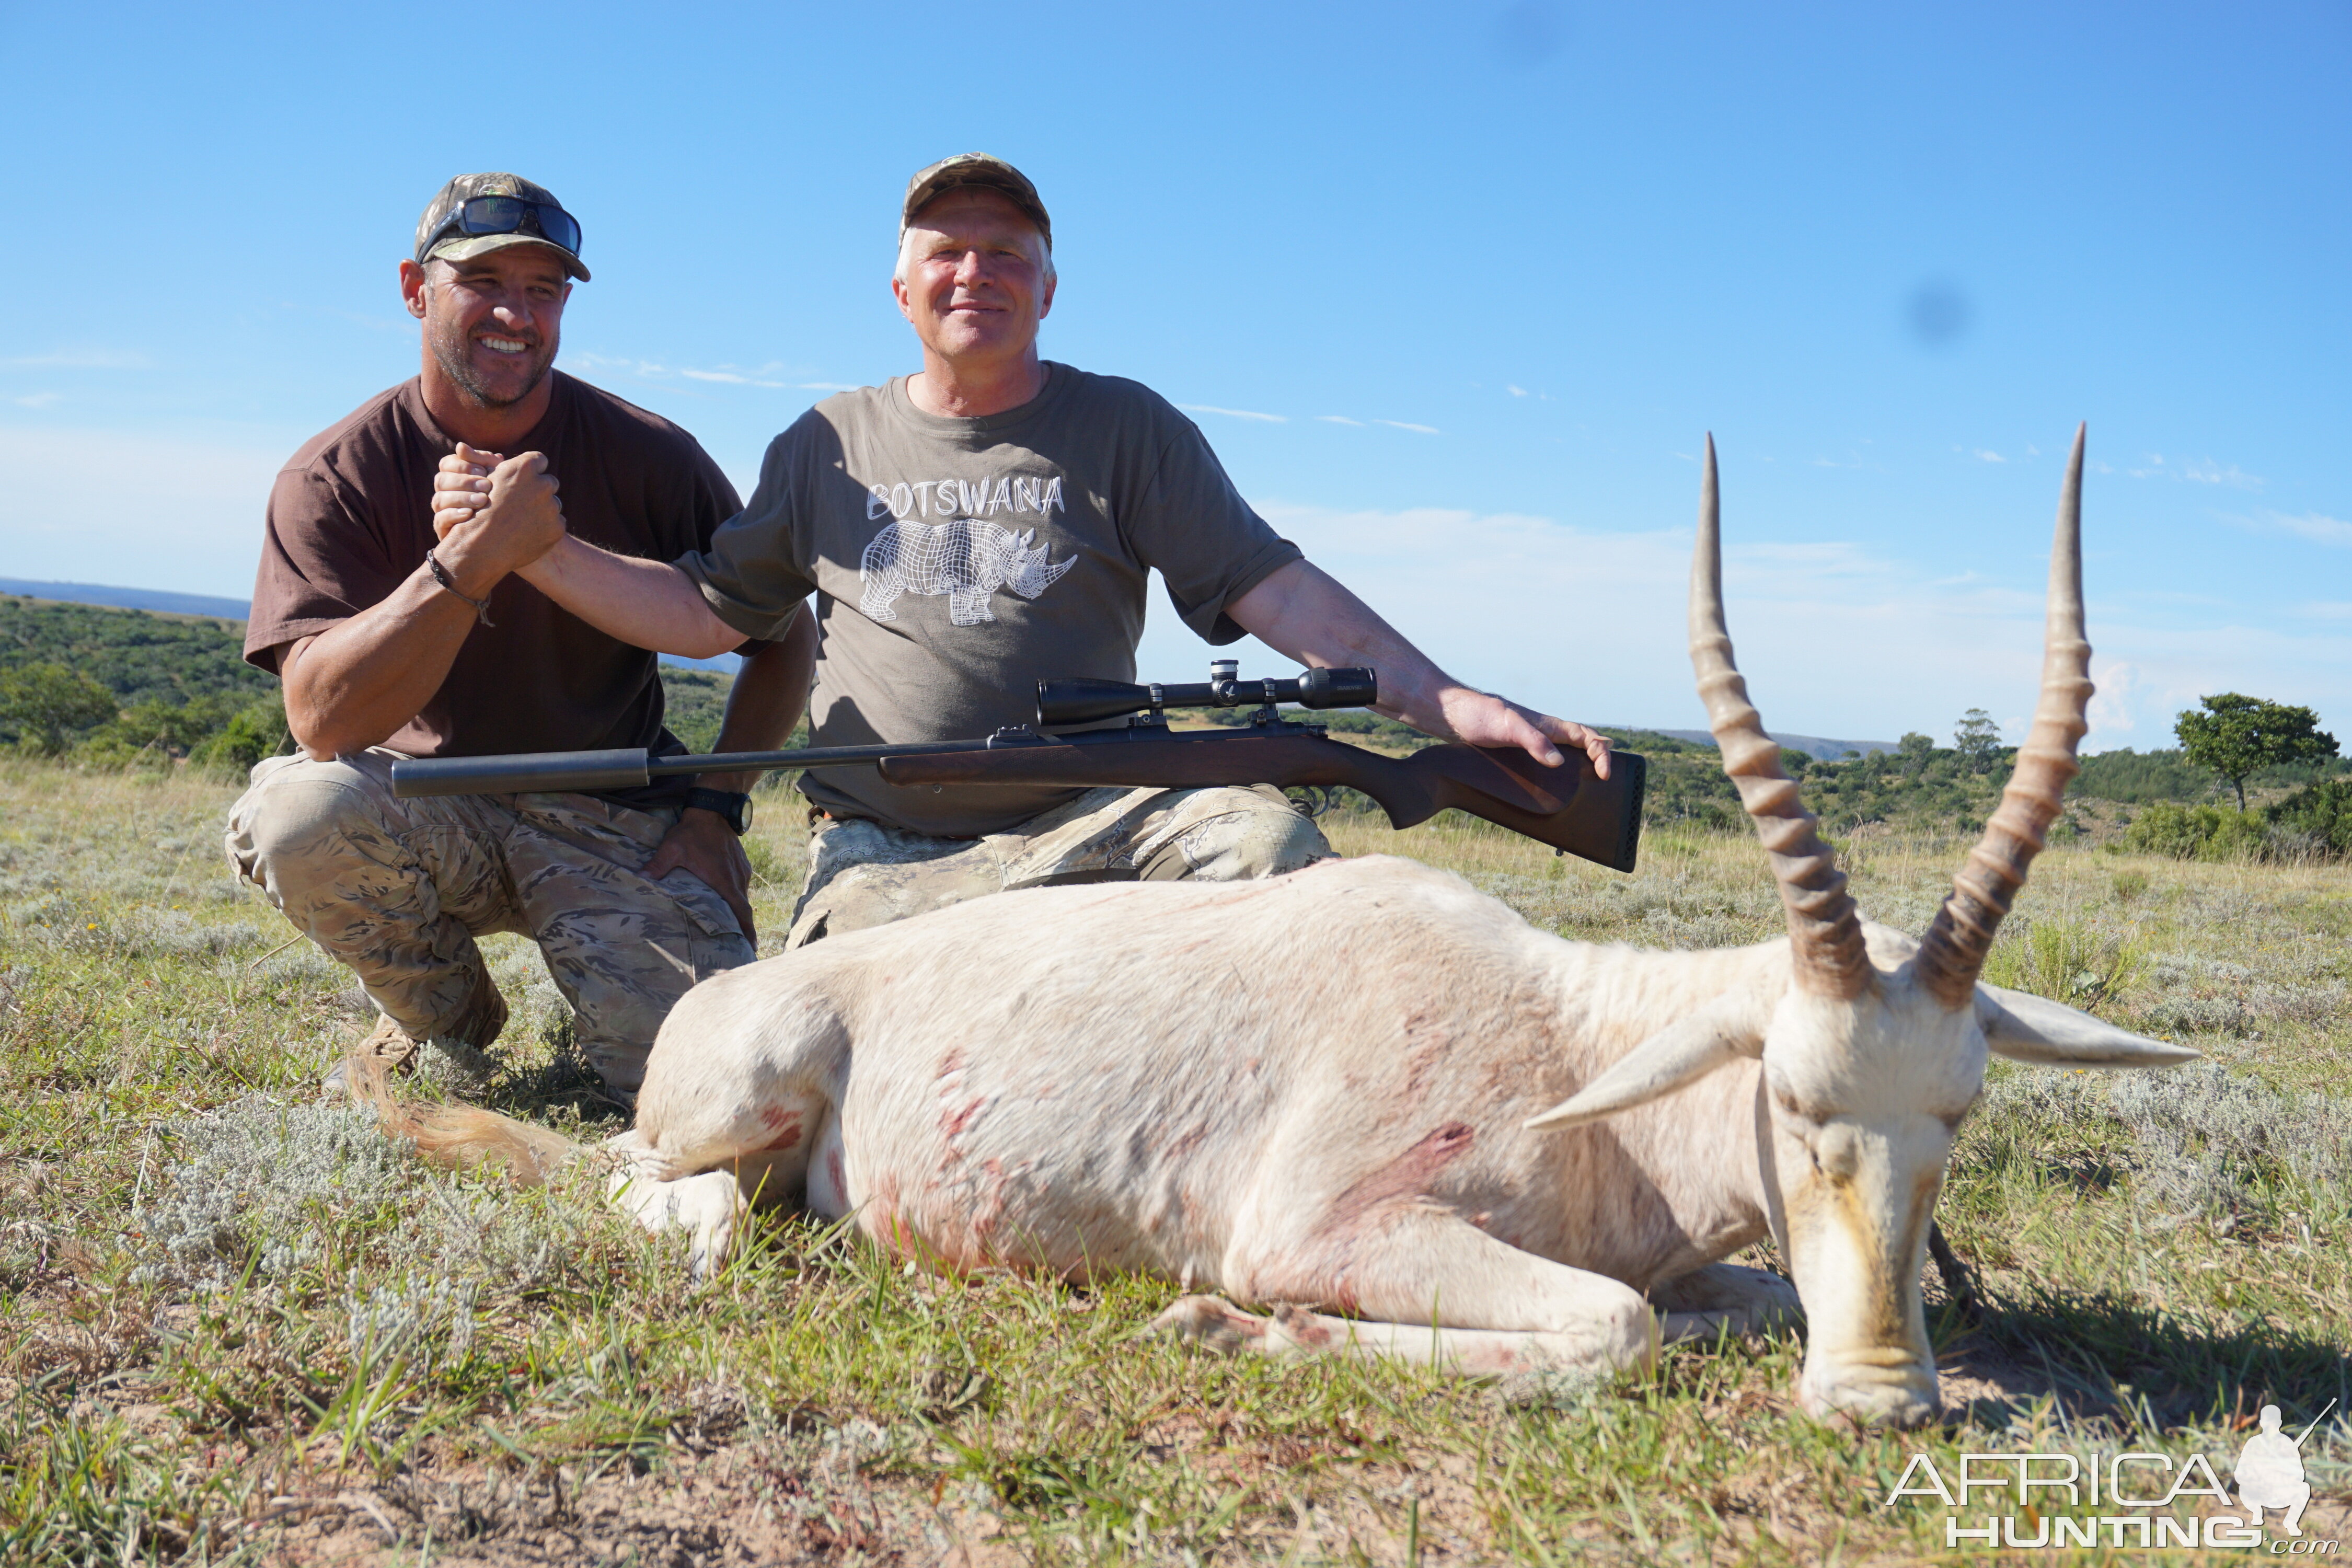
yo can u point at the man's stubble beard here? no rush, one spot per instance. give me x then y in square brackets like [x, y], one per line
[450, 349]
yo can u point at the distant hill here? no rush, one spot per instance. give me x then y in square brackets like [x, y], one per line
[226, 609]
[193, 665]
[130, 598]
[141, 656]
[1813, 746]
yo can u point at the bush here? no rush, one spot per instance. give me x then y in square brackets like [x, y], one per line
[2321, 814]
[256, 731]
[2198, 833]
[48, 705]
[156, 730]
[2081, 964]
[2140, 778]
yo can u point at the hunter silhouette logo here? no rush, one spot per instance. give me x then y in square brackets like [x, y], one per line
[2133, 1497]
[966, 559]
[2270, 1472]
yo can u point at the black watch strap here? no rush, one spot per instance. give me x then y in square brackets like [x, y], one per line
[733, 809]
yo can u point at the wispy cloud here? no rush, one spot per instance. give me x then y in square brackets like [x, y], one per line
[78, 359]
[38, 400]
[729, 377]
[2207, 472]
[1985, 457]
[2311, 525]
[1236, 413]
[1318, 418]
[2212, 473]
[172, 513]
[1838, 639]
[1517, 391]
[774, 376]
[2326, 610]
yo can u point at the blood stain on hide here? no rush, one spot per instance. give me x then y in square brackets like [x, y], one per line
[1409, 1175]
[784, 1126]
[953, 1122]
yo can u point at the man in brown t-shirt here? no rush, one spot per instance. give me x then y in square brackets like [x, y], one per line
[393, 641]
[967, 531]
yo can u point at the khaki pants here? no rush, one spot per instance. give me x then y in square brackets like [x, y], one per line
[397, 890]
[864, 874]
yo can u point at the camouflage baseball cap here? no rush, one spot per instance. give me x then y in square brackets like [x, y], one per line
[457, 247]
[980, 170]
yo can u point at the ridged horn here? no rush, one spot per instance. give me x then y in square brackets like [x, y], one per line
[1953, 953]
[1825, 933]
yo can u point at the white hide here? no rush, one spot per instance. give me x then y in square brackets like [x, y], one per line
[1316, 1090]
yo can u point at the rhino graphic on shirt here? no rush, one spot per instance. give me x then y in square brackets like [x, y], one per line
[966, 559]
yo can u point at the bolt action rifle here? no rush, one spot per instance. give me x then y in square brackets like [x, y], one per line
[1569, 807]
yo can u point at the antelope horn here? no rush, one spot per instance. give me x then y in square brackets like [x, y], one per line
[1825, 933]
[1953, 953]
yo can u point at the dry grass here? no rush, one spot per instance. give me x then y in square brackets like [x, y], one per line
[236, 1326]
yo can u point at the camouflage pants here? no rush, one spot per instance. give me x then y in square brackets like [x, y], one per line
[864, 874]
[398, 890]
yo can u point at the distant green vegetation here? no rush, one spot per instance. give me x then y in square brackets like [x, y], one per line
[697, 704]
[119, 687]
[2314, 823]
[138, 654]
[133, 688]
[2138, 778]
[127, 688]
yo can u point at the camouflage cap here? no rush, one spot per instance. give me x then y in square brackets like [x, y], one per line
[459, 246]
[980, 170]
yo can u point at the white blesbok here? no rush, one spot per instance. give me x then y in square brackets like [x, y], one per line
[1374, 1096]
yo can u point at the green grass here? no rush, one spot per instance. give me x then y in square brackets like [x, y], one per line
[236, 1325]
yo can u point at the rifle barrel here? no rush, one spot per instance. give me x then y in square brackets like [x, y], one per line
[532, 773]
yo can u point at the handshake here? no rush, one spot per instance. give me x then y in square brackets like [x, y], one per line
[494, 515]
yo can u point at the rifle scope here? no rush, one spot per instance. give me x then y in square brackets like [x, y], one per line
[1079, 700]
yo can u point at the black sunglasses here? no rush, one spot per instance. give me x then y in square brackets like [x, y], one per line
[507, 215]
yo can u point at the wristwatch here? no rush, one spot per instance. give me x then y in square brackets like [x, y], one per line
[733, 809]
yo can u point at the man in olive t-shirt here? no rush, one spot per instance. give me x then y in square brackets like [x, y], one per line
[968, 530]
[395, 640]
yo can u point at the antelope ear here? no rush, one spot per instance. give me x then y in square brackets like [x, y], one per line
[2027, 1029]
[1730, 1026]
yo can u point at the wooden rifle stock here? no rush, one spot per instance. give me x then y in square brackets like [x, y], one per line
[1569, 807]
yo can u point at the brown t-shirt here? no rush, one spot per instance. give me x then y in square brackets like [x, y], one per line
[351, 516]
[959, 562]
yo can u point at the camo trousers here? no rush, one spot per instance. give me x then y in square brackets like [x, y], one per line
[864, 874]
[398, 890]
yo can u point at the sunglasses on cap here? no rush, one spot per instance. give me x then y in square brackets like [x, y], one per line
[507, 215]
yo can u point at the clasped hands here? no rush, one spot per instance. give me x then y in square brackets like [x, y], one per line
[494, 514]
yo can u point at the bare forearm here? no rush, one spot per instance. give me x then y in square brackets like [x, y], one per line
[1304, 613]
[771, 692]
[356, 684]
[648, 603]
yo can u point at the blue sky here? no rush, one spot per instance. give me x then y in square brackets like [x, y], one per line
[1456, 291]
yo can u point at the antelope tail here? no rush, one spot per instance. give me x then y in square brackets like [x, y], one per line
[458, 1137]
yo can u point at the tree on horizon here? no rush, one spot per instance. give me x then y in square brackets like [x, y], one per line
[2237, 735]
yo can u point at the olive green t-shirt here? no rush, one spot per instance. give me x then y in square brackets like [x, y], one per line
[959, 562]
